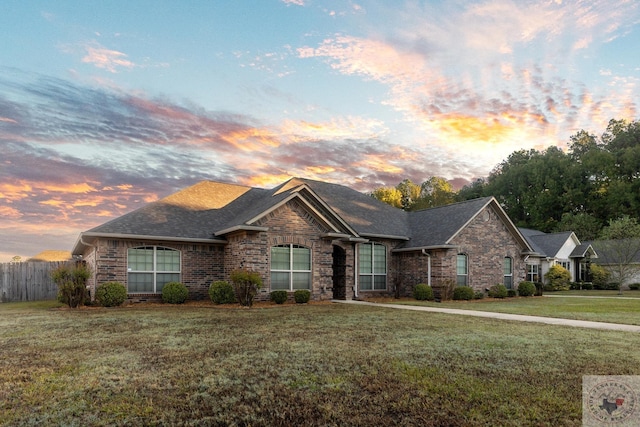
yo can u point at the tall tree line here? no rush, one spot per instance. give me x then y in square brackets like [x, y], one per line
[595, 181]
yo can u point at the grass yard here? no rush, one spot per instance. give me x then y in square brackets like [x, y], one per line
[612, 309]
[327, 365]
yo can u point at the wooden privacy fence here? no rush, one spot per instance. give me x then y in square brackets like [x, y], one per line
[28, 281]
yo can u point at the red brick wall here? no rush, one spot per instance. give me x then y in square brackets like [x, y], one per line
[201, 265]
[486, 241]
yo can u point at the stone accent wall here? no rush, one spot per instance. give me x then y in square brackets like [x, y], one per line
[201, 265]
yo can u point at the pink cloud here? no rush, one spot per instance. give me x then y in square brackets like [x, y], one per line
[105, 58]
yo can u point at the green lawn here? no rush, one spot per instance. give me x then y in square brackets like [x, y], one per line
[329, 364]
[566, 305]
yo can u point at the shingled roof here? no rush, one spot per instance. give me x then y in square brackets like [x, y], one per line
[207, 211]
[546, 244]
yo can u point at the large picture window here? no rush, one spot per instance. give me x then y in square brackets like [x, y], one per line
[462, 270]
[373, 266]
[149, 268]
[290, 267]
[508, 272]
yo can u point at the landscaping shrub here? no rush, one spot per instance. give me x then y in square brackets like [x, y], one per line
[498, 291]
[111, 294]
[634, 286]
[245, 285]
[558, 278]
[279, 297]
[478, 295]
[72, 283]
[302, 296]
[599, 276]
[587, 286]
[511, 293]
[526, 289]
[221, 292]
[423, 292]
[174, 293]
[444, 290]
[463, 293]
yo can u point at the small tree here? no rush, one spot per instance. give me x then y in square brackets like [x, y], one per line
[559, 278]
[620, 246]
[72, 283]
[246, 284]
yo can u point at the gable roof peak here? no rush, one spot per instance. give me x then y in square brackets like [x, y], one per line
[205, 195]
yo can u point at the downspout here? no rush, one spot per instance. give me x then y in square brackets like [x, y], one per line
[355, 271]
[428, 255]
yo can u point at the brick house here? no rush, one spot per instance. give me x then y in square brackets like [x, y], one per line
[303, 234]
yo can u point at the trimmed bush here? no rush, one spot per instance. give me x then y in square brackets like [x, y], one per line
[558, 278]
[279, 297]
[498, 291]
[600, 276]
[302, 296]
[72, 283]
[634, 286]
[463, 293]
[174, 293]
[478, 295]
[245, 285]
[526, 289]
[587, 286]
[221, 292]
[511, 293]
[111, 294]
[423, 292]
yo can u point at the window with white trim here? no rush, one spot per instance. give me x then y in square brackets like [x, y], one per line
[149, 268]
[508, 272]
[372, 262]
[462, 270]
[533, 273]
[290, 267]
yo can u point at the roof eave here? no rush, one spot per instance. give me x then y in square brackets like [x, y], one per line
[384, 236]
[92, 236]
[242, 227]
[426, 248]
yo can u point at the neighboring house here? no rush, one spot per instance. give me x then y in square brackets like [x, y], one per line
[303, 234]
[609, 255]
[564, 249]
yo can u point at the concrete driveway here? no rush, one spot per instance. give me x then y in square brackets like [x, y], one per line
[504, 316]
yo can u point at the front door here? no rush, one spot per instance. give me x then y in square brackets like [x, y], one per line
[339, 273]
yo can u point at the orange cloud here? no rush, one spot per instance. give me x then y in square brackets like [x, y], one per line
[8, 212]
[252, 139]
[378, 163]
[461, 127]
[265, 181]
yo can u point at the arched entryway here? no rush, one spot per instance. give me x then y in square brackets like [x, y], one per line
[339, 273]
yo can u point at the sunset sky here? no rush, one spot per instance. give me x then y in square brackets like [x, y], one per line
[108, 105]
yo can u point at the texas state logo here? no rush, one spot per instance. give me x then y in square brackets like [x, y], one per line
[610, 401]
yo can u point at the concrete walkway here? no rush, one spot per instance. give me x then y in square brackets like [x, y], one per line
[505, 316]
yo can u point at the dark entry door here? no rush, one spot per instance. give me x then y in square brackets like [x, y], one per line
[339, 273]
